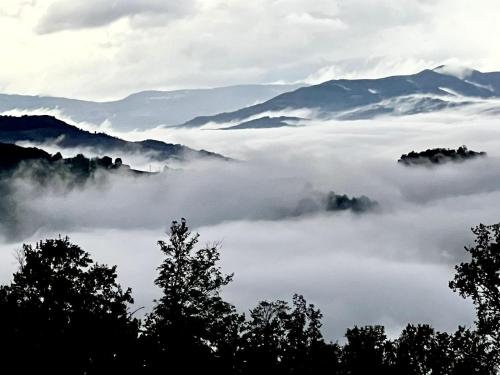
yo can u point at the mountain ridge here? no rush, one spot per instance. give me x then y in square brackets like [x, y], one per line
[48, 129]
[341, 98]
[149, 108]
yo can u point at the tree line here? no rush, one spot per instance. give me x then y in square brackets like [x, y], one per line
[63, 313]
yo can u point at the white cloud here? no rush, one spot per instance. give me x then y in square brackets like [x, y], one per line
[458, 70]
[387, 267]
[115, 48]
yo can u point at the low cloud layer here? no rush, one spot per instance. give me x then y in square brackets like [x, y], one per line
[389, 266]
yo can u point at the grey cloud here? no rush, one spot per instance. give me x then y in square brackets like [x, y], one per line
[222, 43]
[390, 266]
[70, 15]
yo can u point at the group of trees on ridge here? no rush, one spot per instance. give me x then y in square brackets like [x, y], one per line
[37, 163]
[64, 314]
[439, 156]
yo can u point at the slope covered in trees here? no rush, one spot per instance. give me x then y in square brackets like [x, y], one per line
[16, 159]
[48, 129]
[64, 314]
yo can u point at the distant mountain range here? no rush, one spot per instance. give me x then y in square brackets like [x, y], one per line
[149, 109]
[47, 129]
[269, 106]
[343, 99]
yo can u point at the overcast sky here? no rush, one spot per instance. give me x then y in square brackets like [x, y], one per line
[102, 49]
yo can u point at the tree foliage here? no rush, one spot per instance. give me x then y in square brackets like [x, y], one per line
[479, 279]
[191, 319]
[64, 314]
[62, 311]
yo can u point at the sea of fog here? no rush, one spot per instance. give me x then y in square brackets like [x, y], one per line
[389, 267]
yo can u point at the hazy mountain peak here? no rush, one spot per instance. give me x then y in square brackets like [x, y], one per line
[426, 91]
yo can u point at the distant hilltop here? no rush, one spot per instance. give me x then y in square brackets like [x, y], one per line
[268, 106]
[439, 156]
[48, 129]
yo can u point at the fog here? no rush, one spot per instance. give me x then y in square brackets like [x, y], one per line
[390, 266]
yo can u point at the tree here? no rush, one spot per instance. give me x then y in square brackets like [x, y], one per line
[413, 350]
[283, 339]
[471, 353]
[65, 314]
[304, 341]
[479, 279]
[191, 326]
[366, 351]
[265, 337]
[420, 350]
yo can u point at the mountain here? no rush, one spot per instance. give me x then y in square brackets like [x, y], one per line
[343, 99]
[149, 109]
[48, 129]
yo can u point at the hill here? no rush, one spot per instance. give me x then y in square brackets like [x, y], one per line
[48, 129]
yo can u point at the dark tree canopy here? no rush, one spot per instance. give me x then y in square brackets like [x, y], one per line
[63, 312]
[191, 320]
[286, 340]
[439, 156]
[337, 202]
[479, 279]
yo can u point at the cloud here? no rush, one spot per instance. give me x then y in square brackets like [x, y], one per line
[390, 266]
[166, 45]
[459, 71]
[71, 15]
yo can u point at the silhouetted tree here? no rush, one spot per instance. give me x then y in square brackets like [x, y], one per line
[366, 351]
[64, 314]
[413, 350]
[472, 354]
[283, 339]
[479, 279]
[191, 326]
[265, 337]
[420, 350]
[304, 341]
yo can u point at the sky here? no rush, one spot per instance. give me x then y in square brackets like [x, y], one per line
[107, 49]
